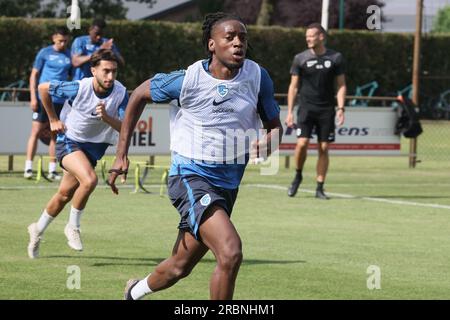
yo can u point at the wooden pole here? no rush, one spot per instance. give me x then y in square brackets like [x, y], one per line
[11, 162]
[416, 78]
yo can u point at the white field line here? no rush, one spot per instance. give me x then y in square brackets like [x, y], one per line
[55, 186]
[265, 186]
[349, 196]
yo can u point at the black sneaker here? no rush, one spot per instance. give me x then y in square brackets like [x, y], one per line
[321, 195]
[292, 191]
[130, 285]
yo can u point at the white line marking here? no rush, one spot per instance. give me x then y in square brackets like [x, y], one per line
[349, 196]
[56, 187]
[266, 186]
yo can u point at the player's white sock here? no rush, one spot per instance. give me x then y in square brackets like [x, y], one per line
[141, 289]
[44, 221]
[28, 165]
[52, 167]
[75, 217]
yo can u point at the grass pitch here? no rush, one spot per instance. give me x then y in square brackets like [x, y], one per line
[381, 214]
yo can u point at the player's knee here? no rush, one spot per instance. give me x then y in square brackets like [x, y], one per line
[89, 183]
[302, 143]
[34, 134]
[180, 271]
[65, 195]
[230, 258]
[323, 150]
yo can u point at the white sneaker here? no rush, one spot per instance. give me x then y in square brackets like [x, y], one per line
[74, 237]
[28, 174]
[130, 285]
[54, 176]
[35, 240]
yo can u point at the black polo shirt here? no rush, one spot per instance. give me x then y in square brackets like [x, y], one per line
[317, 77]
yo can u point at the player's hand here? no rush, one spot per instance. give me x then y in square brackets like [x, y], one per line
[57, 126]
[119, 167]
[258, 151]
[34, 105]
[107, 44]
[289, 120]
[100, 109]
[340, 117]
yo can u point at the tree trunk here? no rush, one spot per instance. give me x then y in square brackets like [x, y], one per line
[265, 13]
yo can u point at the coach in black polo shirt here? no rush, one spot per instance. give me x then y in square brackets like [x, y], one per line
[315, 73]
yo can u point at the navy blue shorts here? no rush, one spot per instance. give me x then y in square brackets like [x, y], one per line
[192, 195]
[41, 114]
[65, 146]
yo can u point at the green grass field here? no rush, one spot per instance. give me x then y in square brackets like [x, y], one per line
[381, 213]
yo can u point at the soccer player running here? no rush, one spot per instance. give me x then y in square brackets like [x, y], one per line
[51, 63]
[91, 124]
[318, 69]
[84, 46]
[224, 92]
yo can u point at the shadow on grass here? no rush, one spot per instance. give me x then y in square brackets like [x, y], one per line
[124, 261]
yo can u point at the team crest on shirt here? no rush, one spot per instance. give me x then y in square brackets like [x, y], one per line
[327, 63]
[205, 200]
[222, 90]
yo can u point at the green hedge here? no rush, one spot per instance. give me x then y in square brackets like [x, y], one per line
[150, 47]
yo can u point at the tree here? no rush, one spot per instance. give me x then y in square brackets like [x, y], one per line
[300, 13]
[248, 10]
[19, 8]
[208, 6]
[149, 2]
[108, 9]
[442, 21]
[265, 13]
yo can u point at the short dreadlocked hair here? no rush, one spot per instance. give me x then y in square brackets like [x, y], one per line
[211, 20]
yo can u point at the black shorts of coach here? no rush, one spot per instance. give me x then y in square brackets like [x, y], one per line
[320, 122]
[192, 195]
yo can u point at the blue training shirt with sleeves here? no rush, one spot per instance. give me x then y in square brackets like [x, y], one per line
[68, 90]
[52, 65]
[165, 87]
[83, 46]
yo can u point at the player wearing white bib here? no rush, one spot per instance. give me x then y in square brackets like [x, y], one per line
[217, 97]
[92, 120]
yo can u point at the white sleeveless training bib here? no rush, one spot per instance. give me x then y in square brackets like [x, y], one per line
[81, 121]
[214, 114]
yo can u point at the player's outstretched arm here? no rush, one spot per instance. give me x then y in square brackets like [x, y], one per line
[136, 104]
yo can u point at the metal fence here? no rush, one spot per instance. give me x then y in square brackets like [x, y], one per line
[434, 111]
